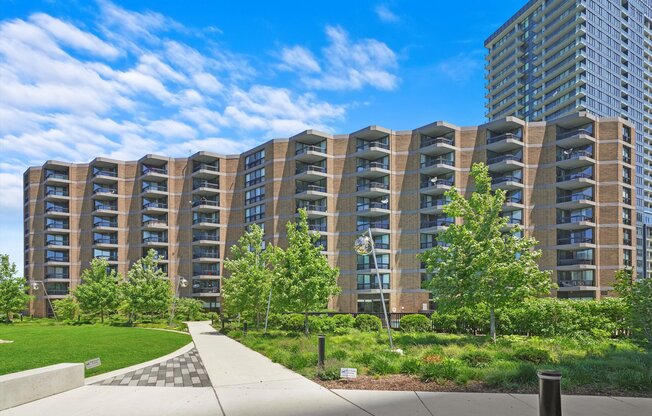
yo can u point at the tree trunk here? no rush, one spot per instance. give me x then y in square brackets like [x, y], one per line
[305, 324]
[102, 316]
[492, 324]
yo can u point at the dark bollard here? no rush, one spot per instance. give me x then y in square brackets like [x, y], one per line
[244, 328]
[222, 321]
[549, 393]
[322, 351]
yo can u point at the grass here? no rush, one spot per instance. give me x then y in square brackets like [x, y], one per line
[589, 366]
[43, 343]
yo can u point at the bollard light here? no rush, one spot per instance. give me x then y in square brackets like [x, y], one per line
[322, 351]
[549, 392]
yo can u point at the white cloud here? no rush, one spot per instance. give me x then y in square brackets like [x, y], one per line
[300, 59]
[462, 67]
[347, 64]
[171, 129]
[385, 14]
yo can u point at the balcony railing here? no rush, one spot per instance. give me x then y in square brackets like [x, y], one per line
[150, 223]
[151, 169]
[438, 161]
[437, 223]
[207, 272]
[381, 246]
[514, 200]
[206, 254]
[57, 292]
[438, 182]
[110, 173]
[64, 210]
[366, 266]
[159, 188]
[207, 237]
[60, 259]
[206, 290]
[572, 219]
[105, 241]
[205, 202]
[310, 168]
[427, 141]
[105, 224]
[370, 185]
[112, 257]
[575, 154]
[313, 207]
[155, 239]
[504, 158]
[374, 285]
[59, 225]
[205, 166]
[57, 276]
[105, 190]
[159, 205]
[106, 207]
[306, 149]
[574, 198]
[575, 283]
[574, 262]
[575, 240]
[57, 175]
[369, 205]
[205, 184]
[501, 137]
[434, 203]
[567, 134]
[573, 176]
[370, 165]
[59, 243]
[207, 220]
[381, 225]
[306, 188]
[430, 244]
[54, 192]
[369, 145]
[502, 179]
[318, 227]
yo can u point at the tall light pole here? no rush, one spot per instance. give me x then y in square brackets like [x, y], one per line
[364, 246]
[181, 282]
[36, 285]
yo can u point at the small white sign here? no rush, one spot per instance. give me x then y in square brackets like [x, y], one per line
[348, 373]
[95, 362]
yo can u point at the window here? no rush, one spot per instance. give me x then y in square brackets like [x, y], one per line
[627, 237]
[627, 175]
[627, 154]
[255, 177]
[110, 255]
[255, 195]
[627, 258]
[255, 159]
[255, 213]
[370, 281]
[627, 216]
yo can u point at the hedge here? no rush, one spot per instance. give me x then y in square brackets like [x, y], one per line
[416, 323]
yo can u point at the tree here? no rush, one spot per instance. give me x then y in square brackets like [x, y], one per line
[479, 262]
[637, 295]
[147, 289]
[246, 290]
[13, 291]
[303, 278]
[68, 307]
[189, 309]
[99, 292]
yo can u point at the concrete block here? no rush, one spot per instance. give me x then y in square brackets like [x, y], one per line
[27, 386]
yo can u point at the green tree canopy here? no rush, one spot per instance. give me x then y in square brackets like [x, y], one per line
[147, 289]
[637, 295]
[13, 291]
[68, 307]
[99, 292]
[246, 290]
[304, 280]
[482, 260]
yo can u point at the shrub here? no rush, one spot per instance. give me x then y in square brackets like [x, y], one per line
[321, 323]
[189, 309]
[277, 321]
[368, 323]
[477, 358]
[410, 366]
[444, 322]
[416, 323]
[331, 370]
[382, 364]
[343, 323]
[532, 354]
[66, 308]
[293, 322]
[448, 369]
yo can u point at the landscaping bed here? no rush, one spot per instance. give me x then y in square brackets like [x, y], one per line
[449, 362]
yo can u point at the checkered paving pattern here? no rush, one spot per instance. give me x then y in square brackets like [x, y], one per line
[185, 370]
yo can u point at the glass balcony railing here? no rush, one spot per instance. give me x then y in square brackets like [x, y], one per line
[574, 240]
[310, 168]
[206, 237]
[305, 149]
[428, 141]
[155, 188]
[373, 285]
[306, 188]
[205, 166]
[574, 262]
[369, 205]
[367, 266]
[381, 225]
[574, 198]
[567, 134]
[109, 173]
[57, 175]
[372, 185]
[572, 219]
[313, 207]
[152, 169]
[575, 283]
[438, 161]
[444, 222]
[155, 239]
[505, 158]
[160, 205]
[573, 176]
[206, 220]
[370, 145]
[371, 165]
[501, 137]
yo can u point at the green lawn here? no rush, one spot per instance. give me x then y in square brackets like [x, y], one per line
[589, 366]
[38, 345]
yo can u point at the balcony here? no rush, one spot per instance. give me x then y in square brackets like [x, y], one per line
[310, 173]
[435, 146]
[507, 182]
[371, 266]
[56, 211]
[505, 163]
[575, 264]
[572, 159]
[57, 260]
[372, 170]
[372, 189]
[57, 195]
[105, 208]
[435, 186]
[155, 207]
[205, 188]
[575, 201]
[572, 222]
[105, 176]
[322, 228]
[376, 227]
[105, 225]
[206, 256]
[153, 172]
[154, 224]
[313, 210]
[105, 193]
[426, 245]
[575, 180]
[434, 206]
[155, 240]
[206, 273]
[311, 192]
[205, 223]
[575, 138]
[372, 150]
[113, 258]
[372, 286]
[59, 227]
[154, 190]
[205, 238]
[57, 244]
[105, 242]
[513, 203]
[372, 209]
[436, 226]
[504, 142]
[577, 242]
[437, 166]
[57, 276]
[205, 171]
[310, 154]
[206, 291]
[572, 285]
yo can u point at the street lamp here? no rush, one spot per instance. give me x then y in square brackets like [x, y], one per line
[364, 245]
[36, 285]
[181, 282]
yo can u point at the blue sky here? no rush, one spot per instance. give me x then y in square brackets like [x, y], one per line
[80, 79]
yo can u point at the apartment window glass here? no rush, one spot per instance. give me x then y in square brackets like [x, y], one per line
[627, 175]
[627, 154]
[627, 237]
[627, 196]
[255, 159]
[255, 213]
[254, 195]
[255, 177]
[627, 216]
[627, 258]
[370, 281]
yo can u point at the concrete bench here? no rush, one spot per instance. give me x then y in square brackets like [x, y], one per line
[26, 386]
